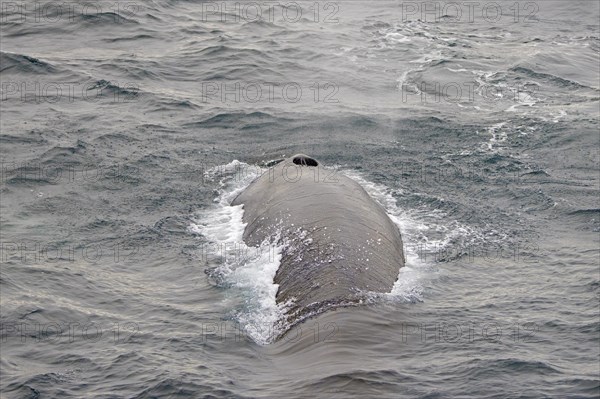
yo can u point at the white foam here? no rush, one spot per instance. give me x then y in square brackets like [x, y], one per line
[397, 37]
[426, 234]
[261, 316]
[248, 271]
[498, 135]
[408, 285]
[234, 178]
[457, 70]
[404, 83]
[561, 114]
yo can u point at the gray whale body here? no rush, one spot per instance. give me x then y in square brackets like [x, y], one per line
[338, 242]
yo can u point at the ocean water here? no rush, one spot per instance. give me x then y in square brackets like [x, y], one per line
[128, 127]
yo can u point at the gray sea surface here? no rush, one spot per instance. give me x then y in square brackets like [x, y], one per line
[128, 127]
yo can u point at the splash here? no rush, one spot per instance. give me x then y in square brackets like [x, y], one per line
[247, 272]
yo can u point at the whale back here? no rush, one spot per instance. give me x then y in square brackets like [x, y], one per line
[338, 242]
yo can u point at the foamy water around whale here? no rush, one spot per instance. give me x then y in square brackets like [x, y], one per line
[128, 128]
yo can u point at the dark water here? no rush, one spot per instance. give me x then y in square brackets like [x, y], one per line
[127, 127]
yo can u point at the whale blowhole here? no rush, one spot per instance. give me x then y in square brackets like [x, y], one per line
[304, 160]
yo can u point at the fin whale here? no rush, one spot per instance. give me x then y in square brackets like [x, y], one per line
[338, 242]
